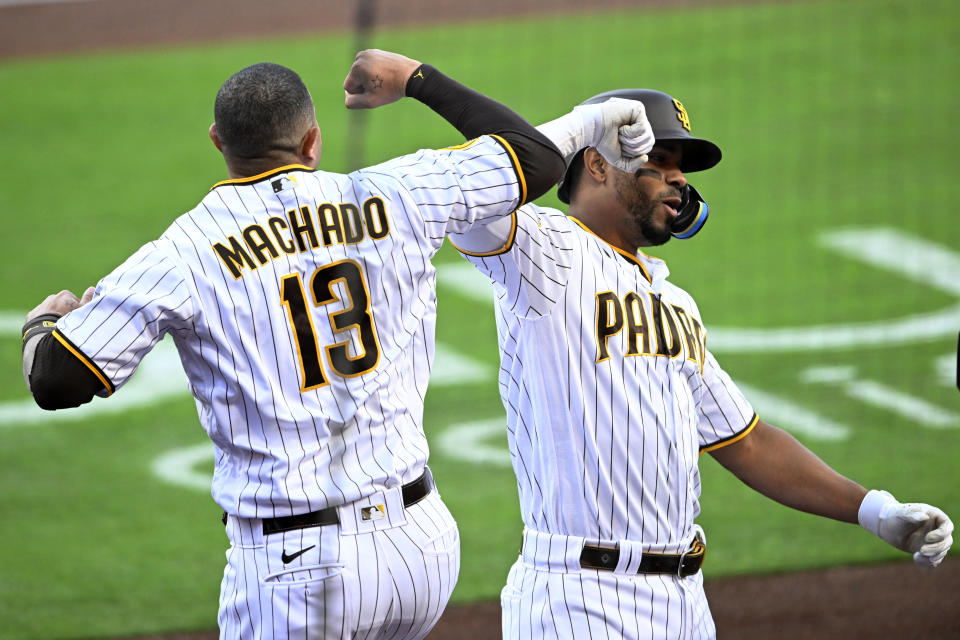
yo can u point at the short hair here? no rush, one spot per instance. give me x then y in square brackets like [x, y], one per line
[261, 108]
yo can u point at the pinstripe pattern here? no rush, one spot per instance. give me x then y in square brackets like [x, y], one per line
[391, 584]
[605, 425]
[548, 603]
[282, 451]
[303, 306]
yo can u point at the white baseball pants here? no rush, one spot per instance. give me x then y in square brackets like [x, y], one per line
[385, 578]
[548, 595]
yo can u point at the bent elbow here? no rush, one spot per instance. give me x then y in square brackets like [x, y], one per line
[544, 174]
[51, 395]
[556, 167]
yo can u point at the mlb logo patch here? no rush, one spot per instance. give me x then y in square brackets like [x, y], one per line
[373, 512]
[283, 182]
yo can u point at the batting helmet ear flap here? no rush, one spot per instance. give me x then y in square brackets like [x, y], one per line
[692, 214]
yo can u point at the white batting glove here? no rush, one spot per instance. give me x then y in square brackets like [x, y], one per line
[618, 128]
[620, 132]
[916, 528]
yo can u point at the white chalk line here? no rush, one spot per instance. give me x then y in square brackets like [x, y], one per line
[918, 259]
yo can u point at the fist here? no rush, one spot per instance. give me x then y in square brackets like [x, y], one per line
[60, 303]
[377, 78]
[932, 539]
[625, 136]
[919, 529]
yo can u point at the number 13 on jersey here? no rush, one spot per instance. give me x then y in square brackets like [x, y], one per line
[355, 314]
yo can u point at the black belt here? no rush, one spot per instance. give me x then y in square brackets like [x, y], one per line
[413, 493]
[683, 564]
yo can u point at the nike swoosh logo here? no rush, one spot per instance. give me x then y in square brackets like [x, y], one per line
[288, 559]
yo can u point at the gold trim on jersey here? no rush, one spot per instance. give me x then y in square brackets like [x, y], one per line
[652, 322]
[461, 146]
[626, 255]
[734, 438]
[356, 313]
[496, 252]
[337, 224]
[312, 375]
[606, 328]
[516, 168]
[234, 257]
[104, 380]
[265, 174]
[338, 355]
[693, 333]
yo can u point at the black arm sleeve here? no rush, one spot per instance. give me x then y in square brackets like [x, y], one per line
[474, 114]
[58, 379]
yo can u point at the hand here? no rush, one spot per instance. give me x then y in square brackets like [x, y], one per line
[924, 531]
[377, 78]
[920, 529]
[60, 303]
[625, 137]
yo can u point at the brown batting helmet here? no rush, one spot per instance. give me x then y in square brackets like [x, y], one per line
[670, 122]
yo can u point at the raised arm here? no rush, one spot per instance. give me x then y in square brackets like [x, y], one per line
[381, 77]
[774, 463]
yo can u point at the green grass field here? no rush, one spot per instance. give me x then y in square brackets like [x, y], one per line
[830, 217]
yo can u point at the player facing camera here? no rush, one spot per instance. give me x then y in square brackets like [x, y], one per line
[670, 123]
[610, 385]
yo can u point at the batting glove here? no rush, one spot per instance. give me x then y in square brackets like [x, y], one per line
[916, 528]
[620, 131]
[618, 128]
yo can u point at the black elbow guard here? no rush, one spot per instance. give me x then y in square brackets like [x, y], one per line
[52, 394]
[57, 379]
[474, 114]
[540, 161]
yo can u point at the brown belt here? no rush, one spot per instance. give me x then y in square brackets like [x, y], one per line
[683, 565]
[413, 492]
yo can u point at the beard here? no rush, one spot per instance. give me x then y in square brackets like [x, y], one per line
[641, 209]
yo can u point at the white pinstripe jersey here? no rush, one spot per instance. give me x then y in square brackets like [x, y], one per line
[303, 307]
[609, 390]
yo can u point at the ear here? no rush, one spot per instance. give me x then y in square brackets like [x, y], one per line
[311, 147]
[215, 138]
[595, 165]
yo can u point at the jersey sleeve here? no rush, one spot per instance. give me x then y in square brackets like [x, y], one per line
[133, 307]
[725, 414]
[456, 187]
[527, 256]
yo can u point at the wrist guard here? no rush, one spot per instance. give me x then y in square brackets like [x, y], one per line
[44, 323]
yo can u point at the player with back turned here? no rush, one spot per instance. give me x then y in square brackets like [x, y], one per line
[612, 395]
[302, 304]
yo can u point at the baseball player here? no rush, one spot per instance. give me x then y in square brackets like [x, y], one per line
[302, 304]
[612, 395]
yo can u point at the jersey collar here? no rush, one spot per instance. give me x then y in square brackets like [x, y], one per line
[264, 175]
[632, 259]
